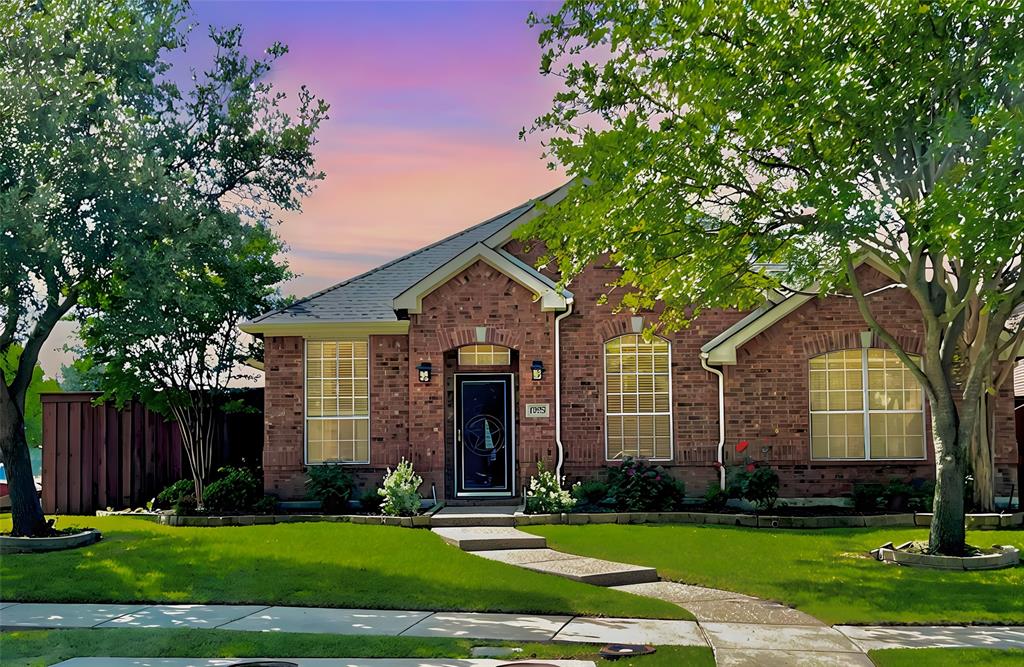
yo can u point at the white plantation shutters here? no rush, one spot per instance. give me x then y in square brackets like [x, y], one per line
[638, 417]
[865, 404]
[337, 402]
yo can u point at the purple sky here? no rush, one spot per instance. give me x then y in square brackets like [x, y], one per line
[427, 99]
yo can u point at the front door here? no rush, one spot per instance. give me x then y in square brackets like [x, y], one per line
[484, 435]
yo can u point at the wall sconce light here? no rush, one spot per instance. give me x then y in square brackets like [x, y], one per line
[424, 370]
[538, 369]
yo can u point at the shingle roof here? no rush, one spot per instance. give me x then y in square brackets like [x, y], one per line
[369, 297]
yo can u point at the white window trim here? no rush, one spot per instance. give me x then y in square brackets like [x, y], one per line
[305, 404]
[867, 412]
[671, 422]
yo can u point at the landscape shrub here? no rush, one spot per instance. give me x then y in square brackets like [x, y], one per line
[867, 497]
[400, 490]
[755, 483]
[185, 505]
[591, 494]
[545, 494]
[331, 485]
[234, 490]
[637, 486]
[266, 505]
[913, 496]
[371, 500]
[173, 494]
[715, 497]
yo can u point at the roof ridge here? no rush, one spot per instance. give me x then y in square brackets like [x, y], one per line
[528, 203]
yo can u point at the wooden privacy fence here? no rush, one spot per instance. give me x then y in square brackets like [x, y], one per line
[96, 456]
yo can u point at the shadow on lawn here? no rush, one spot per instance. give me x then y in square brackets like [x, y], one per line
[826, 573]
[300, 565]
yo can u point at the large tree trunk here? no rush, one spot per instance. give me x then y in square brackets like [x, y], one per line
[948, 534]
[26, 511]
[983, 463]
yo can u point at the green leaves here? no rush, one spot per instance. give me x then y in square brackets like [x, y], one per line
[722, 137]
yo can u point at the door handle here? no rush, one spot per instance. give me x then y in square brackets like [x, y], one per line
[458, 435]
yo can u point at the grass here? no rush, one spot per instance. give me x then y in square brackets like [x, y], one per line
[954, 657]
[305, 564]
[826, 573]
[37, 648]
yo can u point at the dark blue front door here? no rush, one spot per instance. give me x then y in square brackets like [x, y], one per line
[484, 435]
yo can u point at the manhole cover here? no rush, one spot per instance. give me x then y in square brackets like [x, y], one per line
[623, 650]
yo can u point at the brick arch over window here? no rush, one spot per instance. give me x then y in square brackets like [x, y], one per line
[833, 341]
[638, 397]
[455, 337]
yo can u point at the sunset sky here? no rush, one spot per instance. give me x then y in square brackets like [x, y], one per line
[427, 100]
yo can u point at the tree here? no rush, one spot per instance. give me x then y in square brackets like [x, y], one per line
[39, 384]
[733, 147]
[170, 337]
[104, 160]
[82, 374]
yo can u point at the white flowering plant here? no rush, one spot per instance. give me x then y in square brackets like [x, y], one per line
[545, 494]
[400, 490]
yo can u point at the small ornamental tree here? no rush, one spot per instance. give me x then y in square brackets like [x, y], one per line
[107, 167]
[735, 147]
[168, 334]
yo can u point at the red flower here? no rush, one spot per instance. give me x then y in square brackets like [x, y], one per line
[750, 467]
[742, 447]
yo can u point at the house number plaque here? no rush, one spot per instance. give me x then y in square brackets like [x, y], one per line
[537, 410]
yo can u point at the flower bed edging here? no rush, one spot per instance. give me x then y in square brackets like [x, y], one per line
[22, 545]
[1008, 556]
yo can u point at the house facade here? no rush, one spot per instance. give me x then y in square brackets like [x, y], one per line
[468, 361]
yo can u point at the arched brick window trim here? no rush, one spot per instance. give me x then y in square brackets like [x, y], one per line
[454, 338]
[835, 341]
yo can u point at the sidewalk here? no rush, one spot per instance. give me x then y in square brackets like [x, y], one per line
[728, 639]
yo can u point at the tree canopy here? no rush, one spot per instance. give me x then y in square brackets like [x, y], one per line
[733, 147]
[111, 173]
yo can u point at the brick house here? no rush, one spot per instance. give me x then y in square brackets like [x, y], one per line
[466, 360]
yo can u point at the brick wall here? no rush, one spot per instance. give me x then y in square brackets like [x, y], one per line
[283, 416]
[480, 296]
[766, 392]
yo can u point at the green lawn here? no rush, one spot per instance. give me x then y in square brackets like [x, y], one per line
[302, 564]
[37, 648]
[954, 657]
[826, 573]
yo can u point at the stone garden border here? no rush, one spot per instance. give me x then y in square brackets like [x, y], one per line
[974, 521]
[1007, 556]
[24, 545]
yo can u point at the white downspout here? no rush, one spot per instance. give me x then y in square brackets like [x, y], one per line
[721, 417]
[558, 390]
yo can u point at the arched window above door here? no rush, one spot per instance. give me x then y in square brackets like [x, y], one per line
[484, 355]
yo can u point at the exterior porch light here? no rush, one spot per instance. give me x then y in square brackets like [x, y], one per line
[538, 369]
[424, 370]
